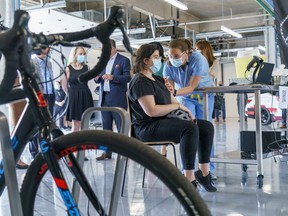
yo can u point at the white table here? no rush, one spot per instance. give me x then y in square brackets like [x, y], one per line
[257, 89]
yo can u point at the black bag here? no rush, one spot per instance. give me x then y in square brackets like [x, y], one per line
[218, 99]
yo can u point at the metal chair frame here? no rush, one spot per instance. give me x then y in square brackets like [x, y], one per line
[159, 143]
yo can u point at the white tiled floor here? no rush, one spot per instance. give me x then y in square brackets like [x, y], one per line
[233, 198]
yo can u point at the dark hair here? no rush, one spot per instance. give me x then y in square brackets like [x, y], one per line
[206, 50]
[181, 44]
[161, 50]
[145, 51]
[113, 43]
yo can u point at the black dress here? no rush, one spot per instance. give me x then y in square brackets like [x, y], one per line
[80, 97]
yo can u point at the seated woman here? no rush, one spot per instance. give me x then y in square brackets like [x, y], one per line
[151, 102]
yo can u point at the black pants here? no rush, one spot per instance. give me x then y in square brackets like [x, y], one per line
[109, 117]
[58, 110]
[192, 137]
[50, 99]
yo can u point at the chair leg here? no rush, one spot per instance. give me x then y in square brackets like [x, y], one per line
[144, 172]
[143, 181]
[174, 152]
[124, 177]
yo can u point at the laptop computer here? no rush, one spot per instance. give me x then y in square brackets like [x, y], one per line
[264, 75]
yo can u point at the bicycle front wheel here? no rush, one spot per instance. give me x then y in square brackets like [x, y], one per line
[166, 192]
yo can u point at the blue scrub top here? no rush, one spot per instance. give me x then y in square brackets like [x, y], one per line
[197, 65]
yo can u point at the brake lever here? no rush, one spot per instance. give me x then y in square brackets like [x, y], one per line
[83, 44]
[125, 40]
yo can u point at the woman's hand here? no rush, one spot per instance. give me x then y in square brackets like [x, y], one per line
[168, 85]
[184, 108]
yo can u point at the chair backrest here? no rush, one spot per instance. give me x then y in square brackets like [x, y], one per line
[131, 132]
[96, 121]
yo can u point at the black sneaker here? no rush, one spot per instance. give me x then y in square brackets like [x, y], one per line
[213, 176]
[206, 181]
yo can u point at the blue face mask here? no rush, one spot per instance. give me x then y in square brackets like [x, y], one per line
[156, 65]
[176, 62]
[80, 59]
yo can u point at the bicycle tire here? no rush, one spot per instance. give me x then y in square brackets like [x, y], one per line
[120, 144]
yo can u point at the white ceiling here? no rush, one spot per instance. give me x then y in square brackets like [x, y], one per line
[202, 11]
[52, 21]
[198, 10]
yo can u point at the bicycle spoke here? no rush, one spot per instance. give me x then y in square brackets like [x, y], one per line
[155, 198]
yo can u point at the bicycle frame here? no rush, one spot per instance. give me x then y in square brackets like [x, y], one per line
[41, 120]
[17, 54]
[24, 129]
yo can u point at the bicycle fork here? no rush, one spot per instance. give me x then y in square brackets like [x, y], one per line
[58, 177]
[61, 184]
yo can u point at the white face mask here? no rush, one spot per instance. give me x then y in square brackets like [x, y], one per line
[156, 65]
[176, 62]
[80, 58]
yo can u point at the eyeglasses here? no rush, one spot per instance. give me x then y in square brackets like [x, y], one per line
[176, 56]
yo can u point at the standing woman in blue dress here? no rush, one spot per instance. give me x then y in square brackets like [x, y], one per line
[186, 71]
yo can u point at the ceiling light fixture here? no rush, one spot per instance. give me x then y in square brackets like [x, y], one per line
[230, 31]
[146, 40]
[177, 4]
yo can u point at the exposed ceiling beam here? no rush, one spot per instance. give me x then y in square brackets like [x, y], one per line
[265, 7]
[223, 19]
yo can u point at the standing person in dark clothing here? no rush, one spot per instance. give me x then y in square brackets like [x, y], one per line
[221, 108]
[60, 104]
[43, 68]
[113, 87]
[80, 96]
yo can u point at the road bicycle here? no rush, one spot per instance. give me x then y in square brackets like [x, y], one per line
[166, 185]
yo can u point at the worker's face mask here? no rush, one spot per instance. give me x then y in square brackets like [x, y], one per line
[176, 59]
[176, 62]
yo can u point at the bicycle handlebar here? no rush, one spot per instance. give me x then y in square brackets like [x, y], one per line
[17, 43]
